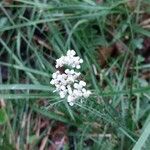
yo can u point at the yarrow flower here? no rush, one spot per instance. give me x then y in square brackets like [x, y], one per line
[68, 84]
[70, 59]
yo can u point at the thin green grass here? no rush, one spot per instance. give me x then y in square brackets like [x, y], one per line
[116, 116]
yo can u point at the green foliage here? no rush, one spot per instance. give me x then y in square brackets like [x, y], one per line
[144, 140]
[34, 34]
[3, 116]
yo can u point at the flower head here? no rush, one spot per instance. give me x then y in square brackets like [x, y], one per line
[67, 83]
[70, 59]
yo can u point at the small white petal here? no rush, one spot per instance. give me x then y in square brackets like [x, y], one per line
[64, 76]
[82, 83]
[77, 93]
[80, 94]
[78, 86]
[67, 71]
[52, 82]
[68, 52]
[62, 94]
[87, 94]
[54, 75]
[63, 81]
[77, 74]
[58, 85]
[69, 89]
[59, 77]
[70, 79]
[83, 90]
[72, 71]
[73, 52]
[78, 66]
[63, 87]
[71, 103]
[75, 85]
[70, 99]
[81, 61]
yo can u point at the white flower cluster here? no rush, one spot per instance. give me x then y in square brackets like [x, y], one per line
[70, 59]
[67, 83]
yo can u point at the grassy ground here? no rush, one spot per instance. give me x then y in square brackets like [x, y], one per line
[112, 37]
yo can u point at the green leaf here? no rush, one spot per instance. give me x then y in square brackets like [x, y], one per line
[142, 31]
[52, 115]
[141, 143]
[3, 116]
[3, 21]
[25, 87]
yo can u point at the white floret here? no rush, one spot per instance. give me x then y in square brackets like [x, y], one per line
[78, 66]
[78, 86]
[71, 53]
[86, 94]
[52, 82]
[63, 88]
[70, 98]
[62, 94]
[69, 89]
[82, 83]
[71, 103]
[81, 61]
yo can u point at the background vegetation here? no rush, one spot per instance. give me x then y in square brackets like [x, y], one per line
[112, 36]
